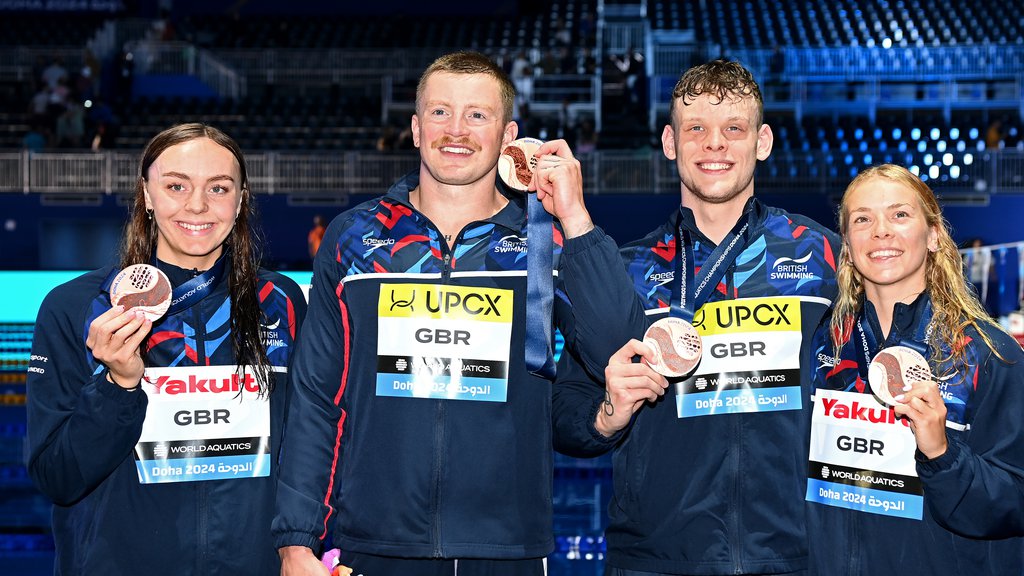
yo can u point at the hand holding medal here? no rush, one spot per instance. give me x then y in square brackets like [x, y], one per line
[894, 370]
[676, 345]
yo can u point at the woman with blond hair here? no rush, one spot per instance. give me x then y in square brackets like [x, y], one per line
[917, 439]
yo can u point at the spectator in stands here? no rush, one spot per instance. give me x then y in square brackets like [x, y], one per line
[387, 138]
[589, 63]
[945, 497]
[524, 84]
[978, 263]
[528, 124]
[519, 65]
[35, 140]
[550, 63]
[587, 28]
[105, 125]
[316, 235]
[419, 469]
[994, 135]
[53, 73]
[586, 136]
[562, 33]
[155, 431]
[71, 126]
[708, 472]
[38, 106]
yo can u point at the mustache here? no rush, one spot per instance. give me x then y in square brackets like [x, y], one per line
[448, 141]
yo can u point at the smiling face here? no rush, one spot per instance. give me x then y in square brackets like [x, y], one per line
[888, 238]
[194, 190]
[716, 145]
[460, 128]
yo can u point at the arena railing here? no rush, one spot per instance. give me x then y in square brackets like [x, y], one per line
[338, 174]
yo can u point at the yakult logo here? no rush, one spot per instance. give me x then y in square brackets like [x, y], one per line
[195, 385]
[834, 408]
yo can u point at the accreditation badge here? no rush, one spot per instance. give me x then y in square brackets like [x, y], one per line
[862, 457]
[444, 342]
[203, 423]
[750, 360]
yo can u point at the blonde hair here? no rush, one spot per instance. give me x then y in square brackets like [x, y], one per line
[469, 62]
[953, 299]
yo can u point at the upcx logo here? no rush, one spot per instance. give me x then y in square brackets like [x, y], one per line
[445, 301]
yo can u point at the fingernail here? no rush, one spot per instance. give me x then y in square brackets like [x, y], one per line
[899, 398]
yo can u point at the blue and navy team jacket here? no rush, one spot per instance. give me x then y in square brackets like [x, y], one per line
[719, 493]
[973, 520]
[415, 476]
[82, 431]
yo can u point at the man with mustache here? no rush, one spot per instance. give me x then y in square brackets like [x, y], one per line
[419, 434]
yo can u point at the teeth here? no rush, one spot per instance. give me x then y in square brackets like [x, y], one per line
[195, 227]
[455, 150]
[885, 253]
[715, 166]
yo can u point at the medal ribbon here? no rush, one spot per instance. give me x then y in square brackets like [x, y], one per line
[192, 292]
[689, 293]
[540, 292]
[918, 343]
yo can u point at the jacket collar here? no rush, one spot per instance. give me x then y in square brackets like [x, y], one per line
[512, 216]
[906, 318]
[753, 209]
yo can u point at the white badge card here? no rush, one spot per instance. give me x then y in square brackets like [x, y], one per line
[203, 423]
[750, 360]
[444, 342]
[862, 457]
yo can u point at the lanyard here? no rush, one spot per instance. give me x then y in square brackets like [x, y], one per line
[690, 292]
[190, 293]
[919, 342]
[539, 289]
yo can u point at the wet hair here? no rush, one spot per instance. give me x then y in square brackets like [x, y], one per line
[138, 246]
[720, 79]
[469, 62]
[954, 301]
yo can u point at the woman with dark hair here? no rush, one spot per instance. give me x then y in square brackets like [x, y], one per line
[155, 436]
[917, 444]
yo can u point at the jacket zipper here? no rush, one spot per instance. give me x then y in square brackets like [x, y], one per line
[201, 493]
[737, 426]
[439, 429]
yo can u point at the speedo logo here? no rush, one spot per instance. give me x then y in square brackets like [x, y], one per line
[792, 269]
[192, 384]
[661, 278]
[378, 242]
[835, 408]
